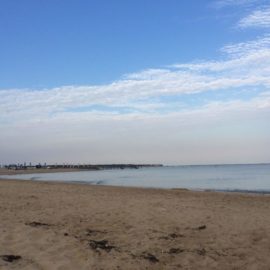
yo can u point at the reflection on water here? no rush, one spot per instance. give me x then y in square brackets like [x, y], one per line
[214, 177]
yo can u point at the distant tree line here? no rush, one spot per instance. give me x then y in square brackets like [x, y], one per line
[78, 166]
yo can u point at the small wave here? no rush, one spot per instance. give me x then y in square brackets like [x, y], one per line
[34, 178]
[100, 182]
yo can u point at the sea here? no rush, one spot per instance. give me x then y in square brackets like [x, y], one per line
[233, 178]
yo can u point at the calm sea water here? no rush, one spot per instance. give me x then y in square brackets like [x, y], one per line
[248, 178]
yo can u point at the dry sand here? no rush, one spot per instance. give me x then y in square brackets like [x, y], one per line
[62, 226]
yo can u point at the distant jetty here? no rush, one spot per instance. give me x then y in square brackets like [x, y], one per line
[79, 166]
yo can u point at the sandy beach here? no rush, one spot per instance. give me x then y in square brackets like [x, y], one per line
[75, 226]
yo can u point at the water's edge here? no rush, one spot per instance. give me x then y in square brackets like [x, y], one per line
[241, 191]
[226, 178]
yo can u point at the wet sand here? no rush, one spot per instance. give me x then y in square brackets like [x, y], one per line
[76, 226]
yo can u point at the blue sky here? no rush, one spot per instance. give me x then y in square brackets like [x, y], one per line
[135, 81]
[54, 43]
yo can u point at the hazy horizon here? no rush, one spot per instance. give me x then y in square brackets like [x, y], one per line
[133, 82]
[123, 163]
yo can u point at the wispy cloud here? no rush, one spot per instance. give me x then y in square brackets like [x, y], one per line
[249, 47]
[225, 3]
[258, 18]
[244, 65]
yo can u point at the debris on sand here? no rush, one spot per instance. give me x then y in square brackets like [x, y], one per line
[171, 236]
[175, 235]
[201, 252]
[37, 224]
[150, 257]
[202, 227]
[10, 258]
[175, 250]
[102, 244]
[90, 232]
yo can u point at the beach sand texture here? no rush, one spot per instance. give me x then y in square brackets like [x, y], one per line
[75, 226]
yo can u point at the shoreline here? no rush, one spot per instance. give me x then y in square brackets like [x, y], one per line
[6, 172]
[86, 184]
[54, 225]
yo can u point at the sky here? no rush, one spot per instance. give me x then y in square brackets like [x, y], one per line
[123, 81]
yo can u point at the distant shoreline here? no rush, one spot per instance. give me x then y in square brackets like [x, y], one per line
[31, 171]
[72, 168]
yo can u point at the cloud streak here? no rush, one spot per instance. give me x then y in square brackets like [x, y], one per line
[147, 92]
[226, 3]
[258, 18]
